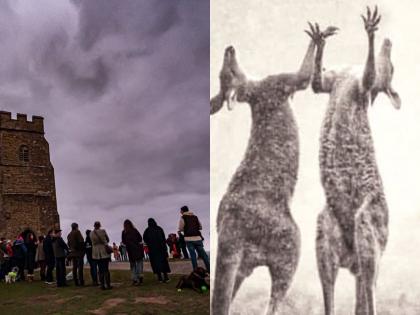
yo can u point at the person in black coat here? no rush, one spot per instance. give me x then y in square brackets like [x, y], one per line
[154, 237]
[92, 262]
[30, 241]
[76, 245]
[134, 245]
[49, 257]
[19, 256]
[60, 252]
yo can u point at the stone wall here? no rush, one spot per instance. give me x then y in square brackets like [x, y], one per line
[27, 185]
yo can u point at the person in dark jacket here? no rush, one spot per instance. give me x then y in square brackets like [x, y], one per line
[49, 257]
[154, 237]
[76, 245]
[134, 245]
[30, 243]
[190, 226]
[19, 256]
[92, 262]
[60, 249]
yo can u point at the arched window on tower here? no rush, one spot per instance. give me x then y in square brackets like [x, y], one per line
[24, 153]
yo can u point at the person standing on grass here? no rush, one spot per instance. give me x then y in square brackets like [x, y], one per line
[76, 244]
[191, 227]
[60, 249]
[134, 243]
[183, 246]
[146, 251]
[116, 252]
[124, 247]
[154, 236]
[92, 262]
[30, 243]
[8, 257]
[19, 256]
[173, 243]
[120, 251]
[100, 253]
[169, 244]
[123, 251]
[40, 257]
[49, 257]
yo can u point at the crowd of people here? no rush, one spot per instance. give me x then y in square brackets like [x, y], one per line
[176, 246]
[51, 252]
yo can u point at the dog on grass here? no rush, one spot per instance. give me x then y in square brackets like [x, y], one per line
[11, 277]
[196, 280]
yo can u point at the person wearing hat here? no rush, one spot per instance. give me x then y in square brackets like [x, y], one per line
[76, 245]
[60, 249]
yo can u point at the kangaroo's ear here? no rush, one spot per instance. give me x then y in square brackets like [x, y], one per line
[216, 103]
[393, 97]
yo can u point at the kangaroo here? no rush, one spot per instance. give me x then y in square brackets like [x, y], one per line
[352, 229]
[254, 213]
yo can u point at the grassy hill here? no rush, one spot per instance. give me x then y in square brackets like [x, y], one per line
[152, 298]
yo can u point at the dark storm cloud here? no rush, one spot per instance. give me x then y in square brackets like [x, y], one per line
[123, 87]
[136, 20]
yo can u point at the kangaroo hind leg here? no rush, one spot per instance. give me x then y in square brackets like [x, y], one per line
[328, 257]
[244, 270]
[229, 255]
[282, 260]
[368, 255]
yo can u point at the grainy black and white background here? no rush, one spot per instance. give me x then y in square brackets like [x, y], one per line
[123, 87]
[269, 39]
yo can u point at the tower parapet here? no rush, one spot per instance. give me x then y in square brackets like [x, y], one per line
[21, 123]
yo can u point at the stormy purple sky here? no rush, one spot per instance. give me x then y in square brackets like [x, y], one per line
[123, 87]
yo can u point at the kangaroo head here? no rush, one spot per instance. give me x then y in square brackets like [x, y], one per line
[384, 74]
[230, 56]
[231, 77]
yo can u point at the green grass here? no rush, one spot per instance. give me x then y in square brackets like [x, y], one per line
[152, 298]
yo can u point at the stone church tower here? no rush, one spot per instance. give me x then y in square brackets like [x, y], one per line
[27, 185]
